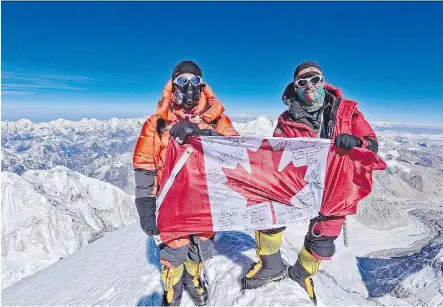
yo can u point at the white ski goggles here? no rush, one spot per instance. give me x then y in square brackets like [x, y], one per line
[183, 80]
[303, 82]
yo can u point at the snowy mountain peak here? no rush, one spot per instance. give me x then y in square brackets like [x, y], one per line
[48, 214]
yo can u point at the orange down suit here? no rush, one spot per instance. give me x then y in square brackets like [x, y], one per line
[150, 152]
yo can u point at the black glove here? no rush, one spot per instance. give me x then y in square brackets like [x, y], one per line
[146, 211]
[347, 141]
[181, 130]
[209, 132]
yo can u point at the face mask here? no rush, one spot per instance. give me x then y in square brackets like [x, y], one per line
[311, 99]
[187, 96]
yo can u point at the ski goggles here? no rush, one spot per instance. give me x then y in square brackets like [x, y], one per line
[183, 80]
[303, 82]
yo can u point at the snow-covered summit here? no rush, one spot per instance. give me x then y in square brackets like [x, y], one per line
[51, 211]
[262, 125]
[49, 214]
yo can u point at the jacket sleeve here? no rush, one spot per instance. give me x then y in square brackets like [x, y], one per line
[148, 144]
[362, 129]
[144, 161]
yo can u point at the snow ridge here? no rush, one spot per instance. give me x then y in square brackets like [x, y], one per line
[48, 215]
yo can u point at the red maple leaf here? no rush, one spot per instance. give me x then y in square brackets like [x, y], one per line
[265, 183]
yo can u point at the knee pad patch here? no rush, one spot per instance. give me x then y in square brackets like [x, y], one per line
[206, 249]
[322, 248]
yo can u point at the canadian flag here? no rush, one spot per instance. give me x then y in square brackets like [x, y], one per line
[240, 183]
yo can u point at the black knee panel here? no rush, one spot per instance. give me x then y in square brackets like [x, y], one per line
[206, 249]
[175, 256]
[322, 246]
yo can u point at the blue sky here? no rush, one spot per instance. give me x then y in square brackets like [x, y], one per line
[112, 59]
